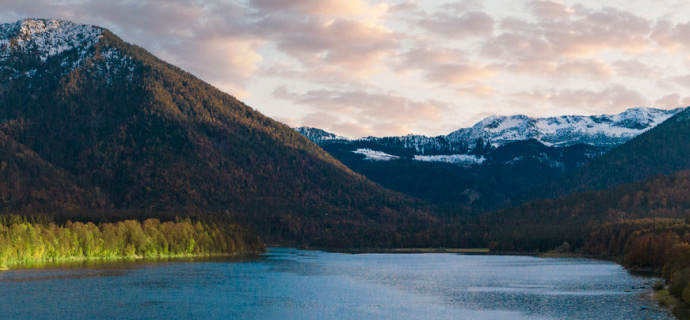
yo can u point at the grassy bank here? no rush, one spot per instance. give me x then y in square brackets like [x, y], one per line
[35, 240]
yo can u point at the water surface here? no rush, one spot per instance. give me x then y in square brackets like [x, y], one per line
[296, 284]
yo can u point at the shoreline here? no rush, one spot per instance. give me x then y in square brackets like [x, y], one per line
[39, 263]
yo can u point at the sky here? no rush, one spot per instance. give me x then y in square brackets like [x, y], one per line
[382, 68]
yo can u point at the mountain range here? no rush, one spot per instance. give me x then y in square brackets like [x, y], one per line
[498, 162]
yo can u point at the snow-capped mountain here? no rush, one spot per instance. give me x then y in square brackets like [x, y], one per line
[318, 135]
[31, 45]
[599, 130]
[492, 163]
[468, 145]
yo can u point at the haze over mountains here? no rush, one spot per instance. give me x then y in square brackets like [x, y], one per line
[492, 164]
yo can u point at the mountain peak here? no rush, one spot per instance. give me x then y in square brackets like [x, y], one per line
[46, 37]
[317, 135]
[600, 130]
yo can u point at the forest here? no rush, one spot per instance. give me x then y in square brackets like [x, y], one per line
[660, 244]
[36, 239]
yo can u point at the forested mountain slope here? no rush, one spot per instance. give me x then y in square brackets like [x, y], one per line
[661, 150]
[128, 131]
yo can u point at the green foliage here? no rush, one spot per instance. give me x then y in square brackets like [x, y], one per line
[22, 241]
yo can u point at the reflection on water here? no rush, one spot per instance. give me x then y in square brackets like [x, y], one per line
[294, 284]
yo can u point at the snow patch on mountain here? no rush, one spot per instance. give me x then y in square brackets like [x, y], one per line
[465, 159]
[317, 135]
[45, 38]
[375, 155]
[563, 131]
[115, 64]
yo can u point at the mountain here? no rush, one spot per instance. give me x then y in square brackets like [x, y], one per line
[544, 224]
[494, 164]
[113, 129]
[662, 150]
[646, 178]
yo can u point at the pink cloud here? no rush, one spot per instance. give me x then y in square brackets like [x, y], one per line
[612, 99]
[319, 7]
[549, 9]
[382, 110]
[584, 34]
[444, 66]
[673, 100]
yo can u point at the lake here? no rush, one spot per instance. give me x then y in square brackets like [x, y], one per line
[296, 284]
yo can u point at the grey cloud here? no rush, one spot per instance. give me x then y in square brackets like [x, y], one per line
[453, 26]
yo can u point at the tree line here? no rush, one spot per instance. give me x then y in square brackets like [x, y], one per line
[39, 239]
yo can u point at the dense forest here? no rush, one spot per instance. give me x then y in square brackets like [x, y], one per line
[39, 239]
[544, 224]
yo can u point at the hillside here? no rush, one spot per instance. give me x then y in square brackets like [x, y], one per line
[141, 134]
[544, 224]
[661, 150]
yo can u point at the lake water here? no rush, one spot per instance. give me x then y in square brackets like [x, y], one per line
[295, 284]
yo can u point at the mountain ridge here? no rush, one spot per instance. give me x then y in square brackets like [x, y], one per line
[603, 130]
[488, 167]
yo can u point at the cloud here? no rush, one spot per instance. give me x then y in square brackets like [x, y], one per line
[318, 7]
[549, 10]
[586, 33]
[453, 26]
[672, 36]
[608, 100]
[594, 69]
[636, 69]
[458, 73]
[339, 38]
[683, 81]
[353, 46]
[463, 6]
[443, 65]
[367, 109]
[476, 90]
[673, 100]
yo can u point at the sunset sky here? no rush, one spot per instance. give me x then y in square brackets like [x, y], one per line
[359, 68]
